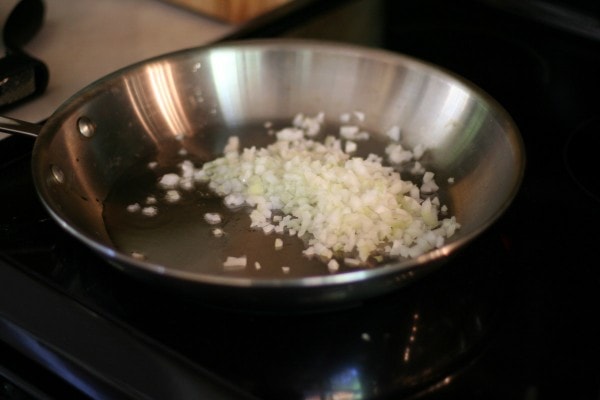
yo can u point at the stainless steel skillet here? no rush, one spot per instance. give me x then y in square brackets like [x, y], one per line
[106, 147]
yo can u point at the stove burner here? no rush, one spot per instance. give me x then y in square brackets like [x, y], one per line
[580, 154]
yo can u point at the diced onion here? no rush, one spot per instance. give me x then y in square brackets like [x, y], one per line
[346, 208]
[340, 204]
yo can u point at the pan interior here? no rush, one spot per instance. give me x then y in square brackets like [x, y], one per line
[148, 118]
[175, 234]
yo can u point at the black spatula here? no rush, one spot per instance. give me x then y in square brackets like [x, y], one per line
[22, 77]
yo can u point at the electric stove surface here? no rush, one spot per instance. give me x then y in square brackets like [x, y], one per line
[513, 316]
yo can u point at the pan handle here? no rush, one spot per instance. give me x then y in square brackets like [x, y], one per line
[15, 126]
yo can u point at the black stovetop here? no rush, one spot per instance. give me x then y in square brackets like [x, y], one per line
[513, 316]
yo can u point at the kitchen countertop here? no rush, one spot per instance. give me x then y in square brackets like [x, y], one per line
[83, 40]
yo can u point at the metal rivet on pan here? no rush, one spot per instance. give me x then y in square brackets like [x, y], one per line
[57, 175]
[86, 127]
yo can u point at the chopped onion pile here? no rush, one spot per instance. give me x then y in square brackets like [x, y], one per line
[343, 206]
[346, 208]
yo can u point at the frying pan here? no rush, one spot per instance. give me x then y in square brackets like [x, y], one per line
[91, 160]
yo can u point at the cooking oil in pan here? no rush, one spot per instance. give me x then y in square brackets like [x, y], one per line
[177, 236]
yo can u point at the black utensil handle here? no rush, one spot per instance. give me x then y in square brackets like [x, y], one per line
[21, 78]
[22, 24]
